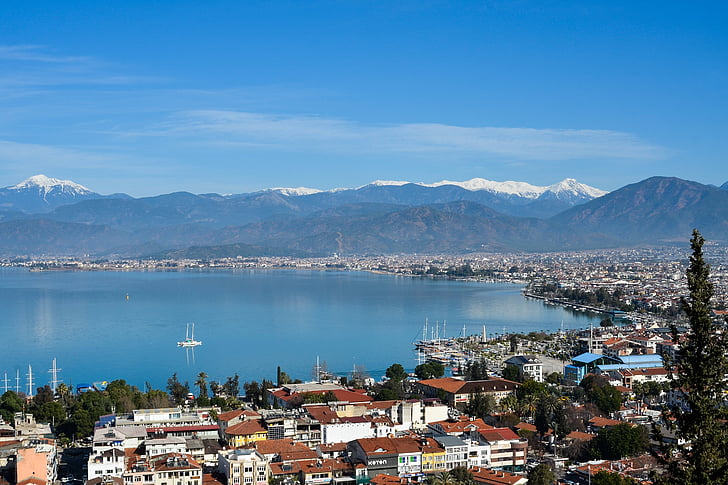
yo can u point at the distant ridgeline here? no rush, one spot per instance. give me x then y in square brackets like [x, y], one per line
[43, 216]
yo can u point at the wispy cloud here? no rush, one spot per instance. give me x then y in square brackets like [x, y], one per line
[17, 157]
[37, 53]
[287, 132]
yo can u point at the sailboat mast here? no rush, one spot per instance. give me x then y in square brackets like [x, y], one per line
[30, 381]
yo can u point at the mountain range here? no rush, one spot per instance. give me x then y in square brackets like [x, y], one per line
[44, 216]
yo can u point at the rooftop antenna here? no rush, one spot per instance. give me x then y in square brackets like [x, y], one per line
[5, 381]
[30, 381]
[54, 376]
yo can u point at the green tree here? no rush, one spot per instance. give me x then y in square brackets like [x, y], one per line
[51, 412]
[554, 378]
[396, 372]
[156, 398]
[701, 369]
[42, 395]
[512, 373]
[201, 383]
[232, 386]
[253, 393]
[430, 370]
[620, 441]
[123, 396]
[476, 370]
[177, 390]
[443, 478]
[603, 477]
[10, 403]
[542, 474]
[386, 394]
[480, 405]
[606, 397]
[462, 475]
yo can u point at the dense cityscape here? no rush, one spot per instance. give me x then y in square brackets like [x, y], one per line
[575, 406]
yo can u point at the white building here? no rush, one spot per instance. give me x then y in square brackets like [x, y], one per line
[170, 444]
[343, 430]
[529, 366]
[168, 469]
[243, 467]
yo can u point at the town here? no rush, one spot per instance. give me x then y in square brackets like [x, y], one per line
[573, 406]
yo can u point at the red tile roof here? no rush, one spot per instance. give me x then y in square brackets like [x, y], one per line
[383, 479]
[579, 436]
[448, 384]
[373, 446]
[600, 422]
[454, 427]
[229, 415]
[499, 434]
[492, 477]
[275, 447]
[246, 428]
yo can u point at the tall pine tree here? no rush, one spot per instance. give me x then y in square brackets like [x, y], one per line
[701, 369]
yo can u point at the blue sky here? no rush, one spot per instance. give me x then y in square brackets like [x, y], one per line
[150, 97]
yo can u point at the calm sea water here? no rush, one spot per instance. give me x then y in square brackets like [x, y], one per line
[249, 322]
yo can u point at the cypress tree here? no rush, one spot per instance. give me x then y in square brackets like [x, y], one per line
[701, 368]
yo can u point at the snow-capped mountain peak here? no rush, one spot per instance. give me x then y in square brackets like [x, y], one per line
[295, 191]
[566, 189]
[572, 187]
[46, 185]
[509, 187]
[386, 183]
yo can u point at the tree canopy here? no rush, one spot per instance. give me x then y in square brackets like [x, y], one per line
[701, 368]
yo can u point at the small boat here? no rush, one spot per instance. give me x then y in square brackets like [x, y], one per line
[189, 340]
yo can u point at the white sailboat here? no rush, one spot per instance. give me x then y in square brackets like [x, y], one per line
[189, 340]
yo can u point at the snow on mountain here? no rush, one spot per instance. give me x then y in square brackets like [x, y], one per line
[521, 189]
[47, 185]
[566, 189]
[385, 183]
[571, 187]
[295, 191]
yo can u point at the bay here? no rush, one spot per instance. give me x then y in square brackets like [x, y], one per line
[249, 321]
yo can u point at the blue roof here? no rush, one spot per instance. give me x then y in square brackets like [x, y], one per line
[641, 359]
[607, 367]
[587, 357]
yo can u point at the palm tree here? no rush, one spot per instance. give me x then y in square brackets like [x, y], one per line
[528, 405]
[201, 383]
[443, 478]
[508, 403]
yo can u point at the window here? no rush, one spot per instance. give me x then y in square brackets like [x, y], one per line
[248, 469]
